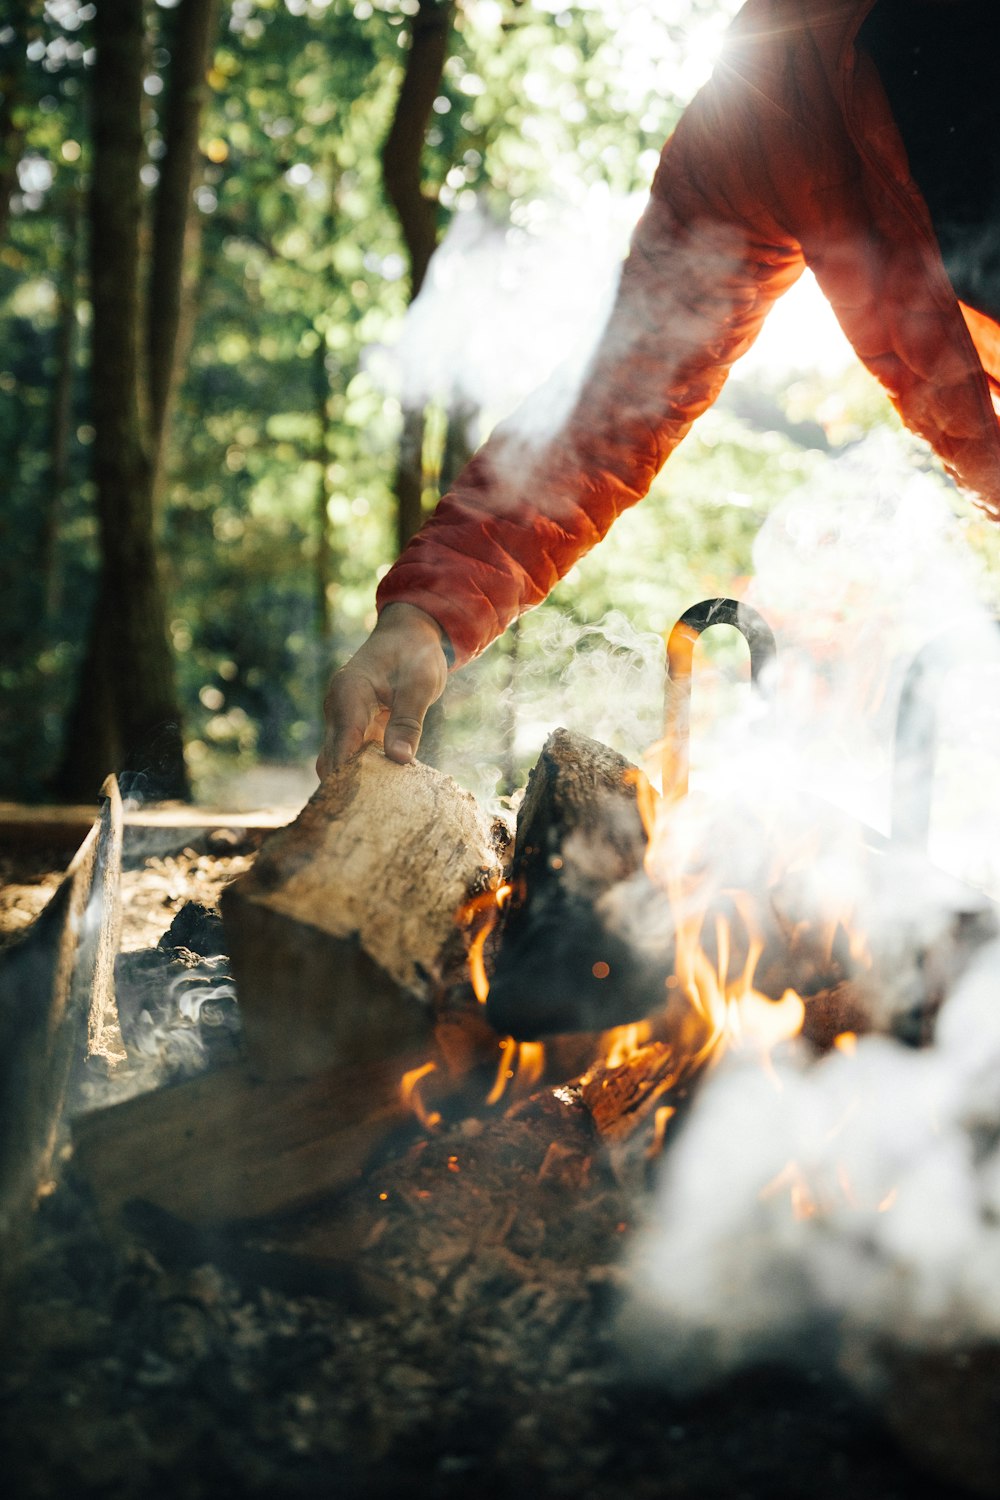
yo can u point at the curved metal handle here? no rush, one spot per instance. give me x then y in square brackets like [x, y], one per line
[677, 690]
[916, 739]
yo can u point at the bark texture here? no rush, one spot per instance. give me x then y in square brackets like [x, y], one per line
[231, 1146]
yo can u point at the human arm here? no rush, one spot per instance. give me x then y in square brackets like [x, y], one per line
[708, 258]
[705, 266]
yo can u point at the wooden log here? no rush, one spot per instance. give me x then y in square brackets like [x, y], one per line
[563, 963]
[341, 932]
[622, 1098]
[588, 941]
[231, 1146]
[64, 826]
[57, 1010]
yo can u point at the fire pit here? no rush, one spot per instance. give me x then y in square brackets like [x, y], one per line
[411, 1257]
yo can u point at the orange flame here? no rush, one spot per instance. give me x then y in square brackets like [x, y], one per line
[647, 798]
[624, 1042]
[491, 903]
[521, 1065]
[661, 1119]
[410, 1095]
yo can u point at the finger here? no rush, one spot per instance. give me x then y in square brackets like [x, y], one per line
[406, 722]
[352, 706]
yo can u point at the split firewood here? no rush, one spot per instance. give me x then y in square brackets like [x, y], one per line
[57, 1016]
[231, 1146]
[345, 926]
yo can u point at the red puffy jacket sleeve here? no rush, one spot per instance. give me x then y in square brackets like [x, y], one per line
[707, 260]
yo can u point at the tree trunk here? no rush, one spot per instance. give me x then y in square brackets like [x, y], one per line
[404, 145]
[62, 406]
[176, 229]
[410, 476]
[323, 367]
[416, 211]
[324, 551]
[459, 441]
[126, 713]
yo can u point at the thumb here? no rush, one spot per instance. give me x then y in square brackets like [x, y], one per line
[406, 722]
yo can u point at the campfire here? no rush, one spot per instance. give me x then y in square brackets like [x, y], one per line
[647, 1040]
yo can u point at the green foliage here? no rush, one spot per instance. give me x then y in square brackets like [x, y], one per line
[281, 434]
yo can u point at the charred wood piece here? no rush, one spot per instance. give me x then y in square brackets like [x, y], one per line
[563, 963]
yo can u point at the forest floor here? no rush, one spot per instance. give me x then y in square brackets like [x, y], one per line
[466, 1346]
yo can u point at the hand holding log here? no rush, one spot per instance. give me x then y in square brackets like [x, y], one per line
[386, 688]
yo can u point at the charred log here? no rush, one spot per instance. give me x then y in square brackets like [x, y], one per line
[590, 941]
[562, 964]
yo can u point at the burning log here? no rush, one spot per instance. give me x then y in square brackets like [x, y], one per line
[345, 926]
[57, 1011]
[590, 941]
[563, 963]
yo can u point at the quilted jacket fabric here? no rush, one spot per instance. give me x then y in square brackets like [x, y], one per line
[789, 157]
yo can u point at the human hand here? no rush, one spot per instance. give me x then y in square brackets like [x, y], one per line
[386, 688]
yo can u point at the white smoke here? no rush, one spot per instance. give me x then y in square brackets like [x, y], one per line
[857, 1192]
[891, 1154]
[504, 304]
[856, 575]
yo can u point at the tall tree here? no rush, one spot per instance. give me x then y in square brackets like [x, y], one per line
[417, 210]
[61, 408]
[126, 714]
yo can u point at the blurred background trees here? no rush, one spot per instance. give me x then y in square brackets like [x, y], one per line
[218, 417]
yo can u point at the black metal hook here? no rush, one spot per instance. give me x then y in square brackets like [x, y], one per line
[677, 692]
